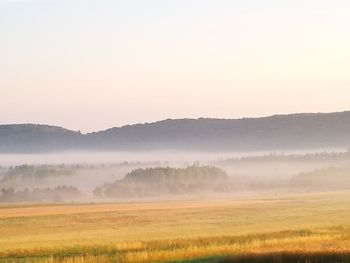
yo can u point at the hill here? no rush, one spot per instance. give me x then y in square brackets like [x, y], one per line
[279, 132]
[27, 138]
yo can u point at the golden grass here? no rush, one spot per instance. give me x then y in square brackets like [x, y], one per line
[164, 231]
[64, 209]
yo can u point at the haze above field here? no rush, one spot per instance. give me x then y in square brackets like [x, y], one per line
[91, 65]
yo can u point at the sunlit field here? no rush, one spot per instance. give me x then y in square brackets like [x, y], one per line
[309, 227]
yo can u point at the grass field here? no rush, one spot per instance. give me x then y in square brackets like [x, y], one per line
[292, 228]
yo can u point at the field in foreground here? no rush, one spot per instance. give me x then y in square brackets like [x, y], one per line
[286, 228]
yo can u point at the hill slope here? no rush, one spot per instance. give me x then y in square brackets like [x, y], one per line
[279, 132]
[36, 138]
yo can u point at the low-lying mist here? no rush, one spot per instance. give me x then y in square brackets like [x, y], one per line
[91, 157]
[104, 177]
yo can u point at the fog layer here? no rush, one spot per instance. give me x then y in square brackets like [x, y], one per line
[101, 177]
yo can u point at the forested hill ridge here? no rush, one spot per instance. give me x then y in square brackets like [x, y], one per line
[278, 132]
[27, 138]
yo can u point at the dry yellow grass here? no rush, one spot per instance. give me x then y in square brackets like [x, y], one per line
[46, 210]
[163, 231]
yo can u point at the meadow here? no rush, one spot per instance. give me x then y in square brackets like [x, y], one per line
[304, 227]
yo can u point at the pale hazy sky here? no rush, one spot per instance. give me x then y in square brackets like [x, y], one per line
[90, 65]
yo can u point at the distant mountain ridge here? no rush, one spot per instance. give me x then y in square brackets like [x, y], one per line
[278, 132]
[18, 138]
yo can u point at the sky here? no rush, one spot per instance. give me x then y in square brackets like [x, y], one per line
[91, 65]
